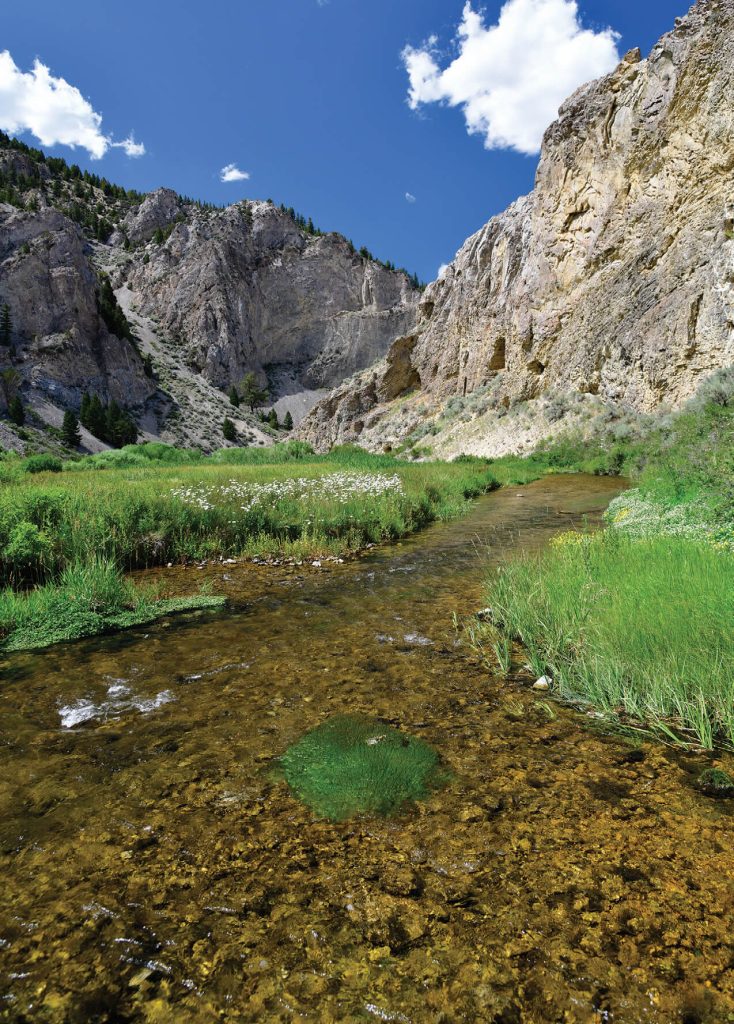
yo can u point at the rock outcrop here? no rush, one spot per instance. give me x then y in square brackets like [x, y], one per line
[615, 277]
[245, 288]
[61, 346]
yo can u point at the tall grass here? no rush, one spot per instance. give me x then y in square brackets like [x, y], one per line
[87, 599]
[640, 628]
[135, 515]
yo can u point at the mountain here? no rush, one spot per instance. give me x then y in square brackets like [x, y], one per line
[611, 286]
[161, 304]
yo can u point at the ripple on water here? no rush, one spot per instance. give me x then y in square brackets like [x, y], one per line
[119, 701]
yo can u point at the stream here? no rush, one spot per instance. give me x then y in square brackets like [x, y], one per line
[155, 869]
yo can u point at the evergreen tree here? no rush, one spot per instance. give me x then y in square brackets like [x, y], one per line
[84, 410]
[228, 430]
[234, 397]
[273, 419]
[159, 238]
[119, 428]
[6, 325]
[288, 421]
[109, 309]
[16, 411]
[251, 393]
[148, 365]
[70, 430]
[96, 417]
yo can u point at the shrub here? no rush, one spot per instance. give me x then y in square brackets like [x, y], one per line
[718, 389]
[16, 412]
[42, 464]
[28, 552]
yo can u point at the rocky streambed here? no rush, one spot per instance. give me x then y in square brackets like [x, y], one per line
[156, 869]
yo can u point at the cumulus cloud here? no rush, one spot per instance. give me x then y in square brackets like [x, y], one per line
[52, 110]
[410, 197]
[510, 78]
[232, 173]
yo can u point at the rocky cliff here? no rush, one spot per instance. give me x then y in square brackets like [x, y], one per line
[60, 344]
[614, 278]
[246, 288]
[211, 294]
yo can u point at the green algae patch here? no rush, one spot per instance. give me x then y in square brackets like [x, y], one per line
[356, 765]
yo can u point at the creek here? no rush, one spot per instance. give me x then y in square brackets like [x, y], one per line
[154, 869]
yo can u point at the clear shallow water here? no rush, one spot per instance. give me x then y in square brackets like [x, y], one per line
[155, 870]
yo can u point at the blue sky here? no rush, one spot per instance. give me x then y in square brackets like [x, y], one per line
[310, 98]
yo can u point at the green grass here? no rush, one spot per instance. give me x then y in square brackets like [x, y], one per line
[88, 599]
[642, 629]
[353, 765]
[135, 515]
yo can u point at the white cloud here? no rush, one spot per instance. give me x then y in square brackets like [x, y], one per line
[52, 110]
[131, 147]
[410, 198]
[510, 78]
[441, 271]
[232, 173]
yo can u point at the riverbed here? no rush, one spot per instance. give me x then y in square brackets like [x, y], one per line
[155, 868]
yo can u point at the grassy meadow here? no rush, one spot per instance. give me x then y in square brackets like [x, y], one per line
[150, 505]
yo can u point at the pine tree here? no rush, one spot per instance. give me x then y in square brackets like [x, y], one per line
[84, 410]
[148, 365]
[288, 421]
[96, 417]
[234, 397]
[273, 419]
[228, 430]
[6, 325]
[70, 430]
[110, 311]
[251, 393]
[16, 411]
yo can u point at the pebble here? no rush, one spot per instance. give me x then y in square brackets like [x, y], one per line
[542, 684]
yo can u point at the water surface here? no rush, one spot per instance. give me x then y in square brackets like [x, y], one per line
[155, 870]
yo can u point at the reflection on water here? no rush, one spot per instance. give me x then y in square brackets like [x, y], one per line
[154, 870]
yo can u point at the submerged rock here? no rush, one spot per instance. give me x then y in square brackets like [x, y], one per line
[716, 783]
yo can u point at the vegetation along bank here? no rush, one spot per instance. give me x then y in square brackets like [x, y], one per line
[70, 529]
[638, 621]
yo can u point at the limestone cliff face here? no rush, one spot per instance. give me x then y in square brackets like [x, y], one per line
[61, 346]
[615, 277]
[246, 289]
[211, 294]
